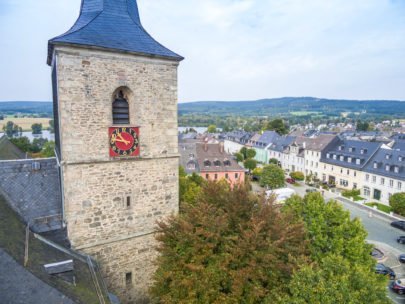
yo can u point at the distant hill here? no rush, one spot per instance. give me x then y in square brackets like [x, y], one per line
[27, 107]
[294, 106]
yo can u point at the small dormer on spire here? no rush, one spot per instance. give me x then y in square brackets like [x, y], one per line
[111, 25]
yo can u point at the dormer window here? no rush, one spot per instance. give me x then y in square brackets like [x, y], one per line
[358, 161]
[400, 158]
[342, 158]
[217, 163]
[363, 151]
[227, 163]
[334, 156]
[207, 163]
[352, 149]
[120, 110]
[341, 148]
[387, 156]
[191, 166]
[387, 168]
[327, 155]
[396, 169]
[375, 165]
[349, 159]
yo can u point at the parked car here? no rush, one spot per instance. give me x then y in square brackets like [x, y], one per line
[401, 239]
[401, 258]
[399, 225]
[290, 180]
[382, 269]
[310, 190]
[398, 286]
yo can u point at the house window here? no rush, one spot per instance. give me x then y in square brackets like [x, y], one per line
[128, 201]
[374, 179]
[207, 163]
[358, 161]
[226, 175]
[391, 183]
[366, 191]
[191, 166]
[354, 185]
[216, 176]
[227, 162]
[382, 181]
[128, 279]
[399, 185]
[236, 175]
[207, 176]
[355, 173]
[120, 110]
[367, 177]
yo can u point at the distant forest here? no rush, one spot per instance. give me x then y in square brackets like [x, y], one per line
[26, 107]
[293, 106]
[293, 109]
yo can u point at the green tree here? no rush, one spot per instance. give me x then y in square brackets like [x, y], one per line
[243, 151]
[257, 172]
[272, 177]
[277, 125]
[212, 129]
[336, 281]
[397, 202]
[239, 157]
[189, 187]
[11, 129]
[330, 229]
[230, 247]
[362, 126]
[250, 164]
[273, 161]
[23, 143]
[48, 149]
[250, 153]
[52, 126]
[38, 144]
[36, 128]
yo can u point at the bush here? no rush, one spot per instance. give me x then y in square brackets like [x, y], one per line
[299, 176]
[351, 193]
[257, 172]
[397, 202]
[381, 207]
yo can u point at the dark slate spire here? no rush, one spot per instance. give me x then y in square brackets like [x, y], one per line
[114, 25]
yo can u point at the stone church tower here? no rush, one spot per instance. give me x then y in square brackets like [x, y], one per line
[115, 107]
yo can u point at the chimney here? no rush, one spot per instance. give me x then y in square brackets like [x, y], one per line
[221, 147]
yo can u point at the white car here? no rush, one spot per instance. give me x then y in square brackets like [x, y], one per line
[280, 194]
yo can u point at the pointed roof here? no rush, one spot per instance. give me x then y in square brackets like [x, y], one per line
[113, 25]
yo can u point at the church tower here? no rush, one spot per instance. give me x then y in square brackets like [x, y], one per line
[115, 107]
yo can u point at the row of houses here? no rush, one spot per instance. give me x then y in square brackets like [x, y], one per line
[376, 168]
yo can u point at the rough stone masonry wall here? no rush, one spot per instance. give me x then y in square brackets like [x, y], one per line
[33, 193]
[96, 187]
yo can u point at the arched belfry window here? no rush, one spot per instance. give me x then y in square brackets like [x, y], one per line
[120, 110]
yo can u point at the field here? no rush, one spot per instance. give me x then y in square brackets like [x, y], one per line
[304, 113]
[25, 123]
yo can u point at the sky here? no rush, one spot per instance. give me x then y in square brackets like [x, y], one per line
[234, 49]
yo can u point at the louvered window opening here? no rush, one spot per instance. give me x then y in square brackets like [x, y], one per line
[120, 110]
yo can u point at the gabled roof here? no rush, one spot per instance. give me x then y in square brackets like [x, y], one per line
[111, 25]
[281, 143]
[212, 153]
[266, 139]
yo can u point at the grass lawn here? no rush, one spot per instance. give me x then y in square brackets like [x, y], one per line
[358, 198]
[26, 122]
[381, 207]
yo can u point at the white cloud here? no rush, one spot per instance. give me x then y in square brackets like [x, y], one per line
[235, 49]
